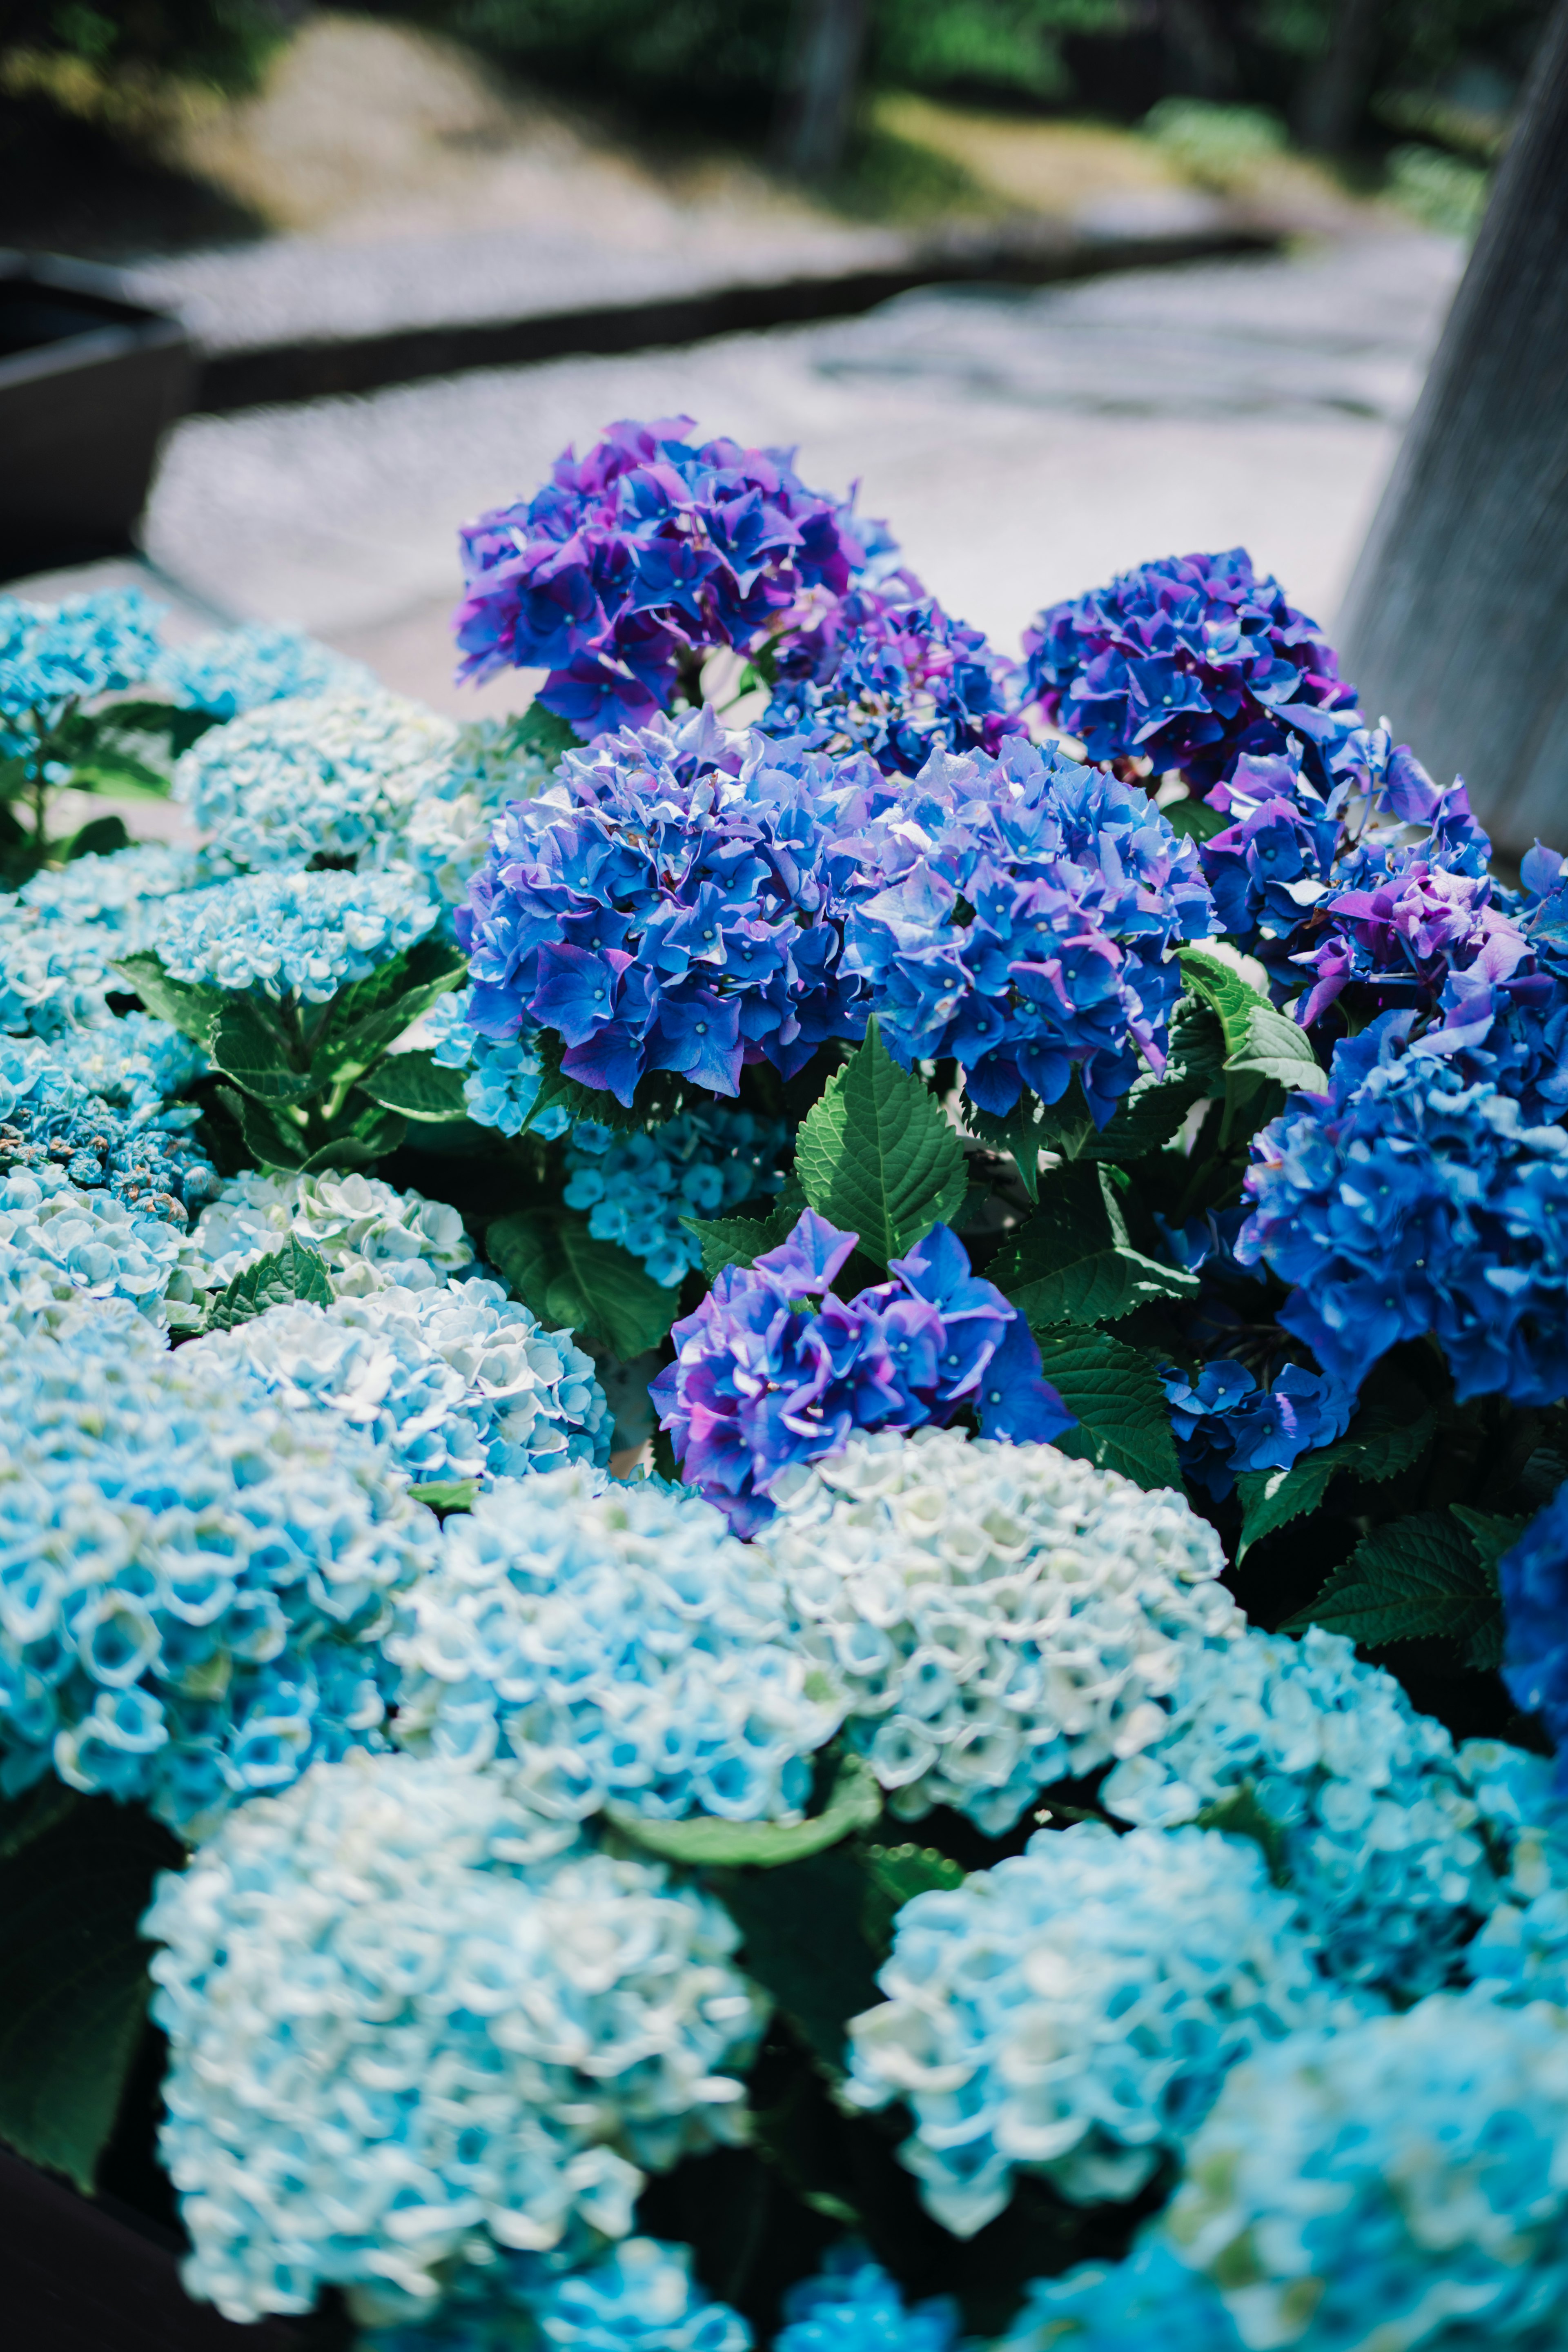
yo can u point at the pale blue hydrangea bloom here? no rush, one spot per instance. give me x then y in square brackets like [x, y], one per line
[503, 1079]
[56, 1241]
[459, 1381]
[621, 1643]
[136, 1063]
[1522, 1950]
[1402, 2182]
[302, 934]
[852, 2306]
[409, 2021]
[1001, 1617]
[123, 891]
[192, 1578]
[54, 654]
[636, 1188]
[446, 832]
[642, 2298]
[328, 775]
[370, 1234]
[1074, 2012]
[239, 669]
[1150, 2303]
[61, 933]
[1377, 1832]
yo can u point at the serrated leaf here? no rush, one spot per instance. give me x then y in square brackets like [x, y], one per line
[1154, 1109]
[1032, 1127]
[73, 1980]
[1418, 1576]
[701, 1841]
[292, 1272]
[192, 1010]
[417, 1085]
[1225, 992]
[247, 1045]
[544, 731]
[877, 1156]
[269, 1144]
[364, 1019]
[728, 1241]
[445, 1495]
[557, 1268]
[1384, 1438]
[1277, 1049]
[1072, 1263]
[371, 1133]
[1115, 1393]
[119, 777]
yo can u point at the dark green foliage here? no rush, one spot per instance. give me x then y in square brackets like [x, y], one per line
[1073, 1261]
[1433, 1573]
[225, 42]
[876, 1157]
[1115, 1394]
[292, 1272]
[573, 1281]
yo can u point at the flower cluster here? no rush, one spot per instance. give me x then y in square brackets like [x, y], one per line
[407, 2019]
[637, 1189]
[668, 906]
[234, 670]
[50, 1123]
[1535, 1579]
[1362, 1800]
[1074, 2012]
[641, 2298]
[56, 1241]
[1186, 663]
[136, 1063]
[193, 1578]
[852, 2306]
[455, 1383]
[444, 831]
[1401, 2181]
[639, 557]
[774, 1372]
[370, 1234]
[1149, 2299]
[1520, 1952]
[620, 1643]
[1226, 1426]
[62, 932]
[999, 1617]
[902, 681]
[502, 1076]
[53, 656]
[1403, 1201]
[1021, 918]
[122, 892]
[302, 934]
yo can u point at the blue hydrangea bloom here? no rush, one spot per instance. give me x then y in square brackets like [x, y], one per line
[641, 2298]
[1403, 1201]
[638, 1188]
[773, 1372]
[1188, 662]
[1377, 1829]
[898, 678]
[1533, 1576]
[1401, 2181]
[61, 933]
[192, 1578]
[1074, 2012]
[233, 670]
[306, 935]
[1520, 1952]
[58, 1242]
[1150, 2299]
[54, 655]
[1019, 915]
[669, 905]
[622, 1646]
[409, 2022]
[639, 556]
[852, 2306]
[136, 1063]
[123, 891]
[370, 1234]
[1226, 1424]
[502, 1076]
[50, 1121]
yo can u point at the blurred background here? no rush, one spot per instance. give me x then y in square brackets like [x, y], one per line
[1066, 283]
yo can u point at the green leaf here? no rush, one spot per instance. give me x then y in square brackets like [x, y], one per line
[73, 1978]
[877, 1154]
[1387, 1435]
[1431, 1573]
[728, 1241]
[1115, 1393]
[445, 1495]
[417, 1085]
[192, 1010]
[895, 1874]
[804, 1943]
[1277, 1049]
[1260, 1059]
[174, 722]
[543, 731]
[99, 839]
[1225, 992]
[292, 1272]
[557, 1267]
[247, 1046]
[1155, 1107]
[119, 777]
[364, 1019]
[1032, 1127]
[1194, 820]
[269, 1144]
[854, 1803]
[1072, 1263]
[370, 1135]
[1239, 1814]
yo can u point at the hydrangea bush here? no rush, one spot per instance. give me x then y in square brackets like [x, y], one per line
[784, 1498]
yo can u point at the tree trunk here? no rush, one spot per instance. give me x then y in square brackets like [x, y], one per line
[818, 112]
[1336, 92]
[1457, 621]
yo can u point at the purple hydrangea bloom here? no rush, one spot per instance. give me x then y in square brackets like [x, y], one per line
[1403, 1201]
[1024, 924]
[1188, 662]
[647, 550]
[1535, 1579]
[671, 904]
[773, 1369]
[1226, 1424]
[895, 677]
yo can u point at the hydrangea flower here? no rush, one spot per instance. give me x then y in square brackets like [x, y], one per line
[56, 1241]
[1149, 2299]
[194, 1578]
[123, 891]
[641, 2298]
[999, 1616]
[773, 1372]
[637, 558]
[327, 775]
[369, 1234]
[408, 2021]
[302, 934]
[669, 905]
[1402, 1201]
[446, 832]
[136, 1063]
[54, 655]
[1226, 1426]
[852, 2306]
[1019, 915]
[455, 1383]
[234, 670]
[1188, 662]
[1533, 1576]
[1374, 1827]
[638, 1188]
[54, 978]
[1520, 1952]
[51, 1124]
[902, 680]
[502, 1076]
[1074, 2012]
[620, 1643]
[1401, 2181]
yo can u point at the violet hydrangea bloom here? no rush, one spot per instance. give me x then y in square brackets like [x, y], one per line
[901, 680]
[773, 1369]
[1188, 662]
[1024, 923]
[1226, 1424]
[649, 548]
[1534, 1580]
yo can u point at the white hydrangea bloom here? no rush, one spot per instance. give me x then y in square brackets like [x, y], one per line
[1001, 1617]
[409, 2021]
[57, 1242]
[370, 1234]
